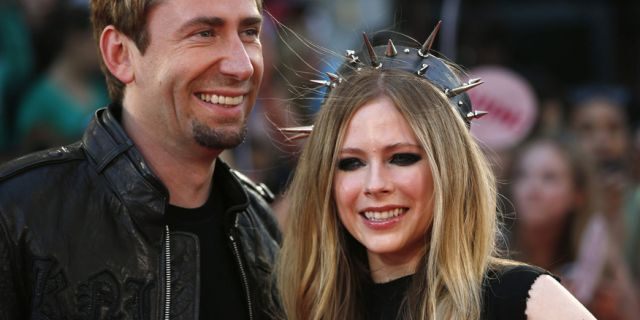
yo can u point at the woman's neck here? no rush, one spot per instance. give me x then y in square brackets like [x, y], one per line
[388, 267]
[541, 248]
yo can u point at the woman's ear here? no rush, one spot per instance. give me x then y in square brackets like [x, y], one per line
[115, 50]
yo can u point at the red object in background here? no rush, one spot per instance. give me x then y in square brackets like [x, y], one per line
[511, 103]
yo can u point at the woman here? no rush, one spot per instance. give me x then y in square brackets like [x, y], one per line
[554, 200]
[392, 206]
[558, 227]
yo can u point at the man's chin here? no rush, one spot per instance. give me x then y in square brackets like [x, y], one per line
[218, 138]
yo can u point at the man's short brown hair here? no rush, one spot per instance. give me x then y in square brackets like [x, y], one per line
[130, 18]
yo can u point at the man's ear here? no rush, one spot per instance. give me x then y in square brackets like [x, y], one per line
[115, 50]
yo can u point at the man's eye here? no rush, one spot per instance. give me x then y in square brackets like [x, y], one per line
[206, 33]
[350, 164]
[405, 159]
[250, 35]
[252, 32]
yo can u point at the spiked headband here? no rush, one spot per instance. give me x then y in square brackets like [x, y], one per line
[419, 61]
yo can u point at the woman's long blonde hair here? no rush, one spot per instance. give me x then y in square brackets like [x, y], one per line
[321, 270]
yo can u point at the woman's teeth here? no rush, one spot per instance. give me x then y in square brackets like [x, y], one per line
[222, 100]
[383, 215]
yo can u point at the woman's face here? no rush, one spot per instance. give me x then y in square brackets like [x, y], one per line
[383, 184]
[543, 188]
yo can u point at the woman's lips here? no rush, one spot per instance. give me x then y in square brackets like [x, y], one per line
[378, 216]
[383, 219]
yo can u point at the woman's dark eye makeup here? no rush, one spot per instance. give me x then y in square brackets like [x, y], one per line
[405, 159]
[399, 159]
[350, 164]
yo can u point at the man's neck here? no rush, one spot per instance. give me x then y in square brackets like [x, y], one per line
[186, 174]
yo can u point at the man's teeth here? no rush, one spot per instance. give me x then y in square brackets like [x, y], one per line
[216, 99]
[383, 215]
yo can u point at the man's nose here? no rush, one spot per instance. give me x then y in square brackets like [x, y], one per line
[236, 62]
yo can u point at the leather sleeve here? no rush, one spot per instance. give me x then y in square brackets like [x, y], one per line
[9, 302]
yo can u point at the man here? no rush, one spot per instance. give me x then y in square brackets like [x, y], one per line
[139, 219]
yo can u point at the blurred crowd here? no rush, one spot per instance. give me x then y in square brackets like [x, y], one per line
[563, 130]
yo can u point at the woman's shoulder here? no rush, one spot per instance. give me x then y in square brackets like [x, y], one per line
[528, 292]
[506, 290]
[507, 278]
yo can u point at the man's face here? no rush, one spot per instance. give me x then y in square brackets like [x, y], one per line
[198, 79]
[600, 125]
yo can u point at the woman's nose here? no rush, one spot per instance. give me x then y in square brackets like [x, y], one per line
[377, 181]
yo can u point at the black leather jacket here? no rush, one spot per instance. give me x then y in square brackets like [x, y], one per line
[82, 236]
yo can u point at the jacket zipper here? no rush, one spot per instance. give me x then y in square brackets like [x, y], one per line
[243, 274]
[167, 273]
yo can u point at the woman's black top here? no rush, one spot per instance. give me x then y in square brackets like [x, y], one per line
[505, 294]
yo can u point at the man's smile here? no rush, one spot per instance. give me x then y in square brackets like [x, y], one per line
[221, 100]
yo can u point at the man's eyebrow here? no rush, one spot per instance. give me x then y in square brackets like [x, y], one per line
[218, 22]
[250, 21]
[202, 21]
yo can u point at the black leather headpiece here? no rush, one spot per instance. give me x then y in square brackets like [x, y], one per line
[419, 61]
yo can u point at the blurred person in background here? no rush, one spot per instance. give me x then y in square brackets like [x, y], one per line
[599, 119]
[550, 192]
[16, 62]
[634, 246]
[558, 226]
[58, 107]
[27, 47]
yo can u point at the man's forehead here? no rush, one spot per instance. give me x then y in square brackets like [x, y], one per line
[177, 12]
[235, 3]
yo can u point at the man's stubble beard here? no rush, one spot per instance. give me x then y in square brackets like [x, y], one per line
[219, 139]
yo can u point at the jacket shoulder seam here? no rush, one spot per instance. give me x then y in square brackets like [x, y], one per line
[260, 189]
[19, 166]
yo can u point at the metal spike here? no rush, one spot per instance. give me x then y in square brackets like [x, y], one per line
[476, 115]
[334, 77]
[353, 59]
[426, 47]
[464, 87]
[302, 129]
[297, 132]
[372, 54]
[391, 50]
[423, 69]
[325, 83]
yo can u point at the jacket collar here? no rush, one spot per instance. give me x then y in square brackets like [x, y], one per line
[118, 161]
[238, 198]
[141, 192]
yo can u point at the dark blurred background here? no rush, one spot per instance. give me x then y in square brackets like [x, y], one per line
[562, 83]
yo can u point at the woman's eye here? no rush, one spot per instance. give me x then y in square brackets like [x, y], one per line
[350, 164]
[405, 159]
[550, 177]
